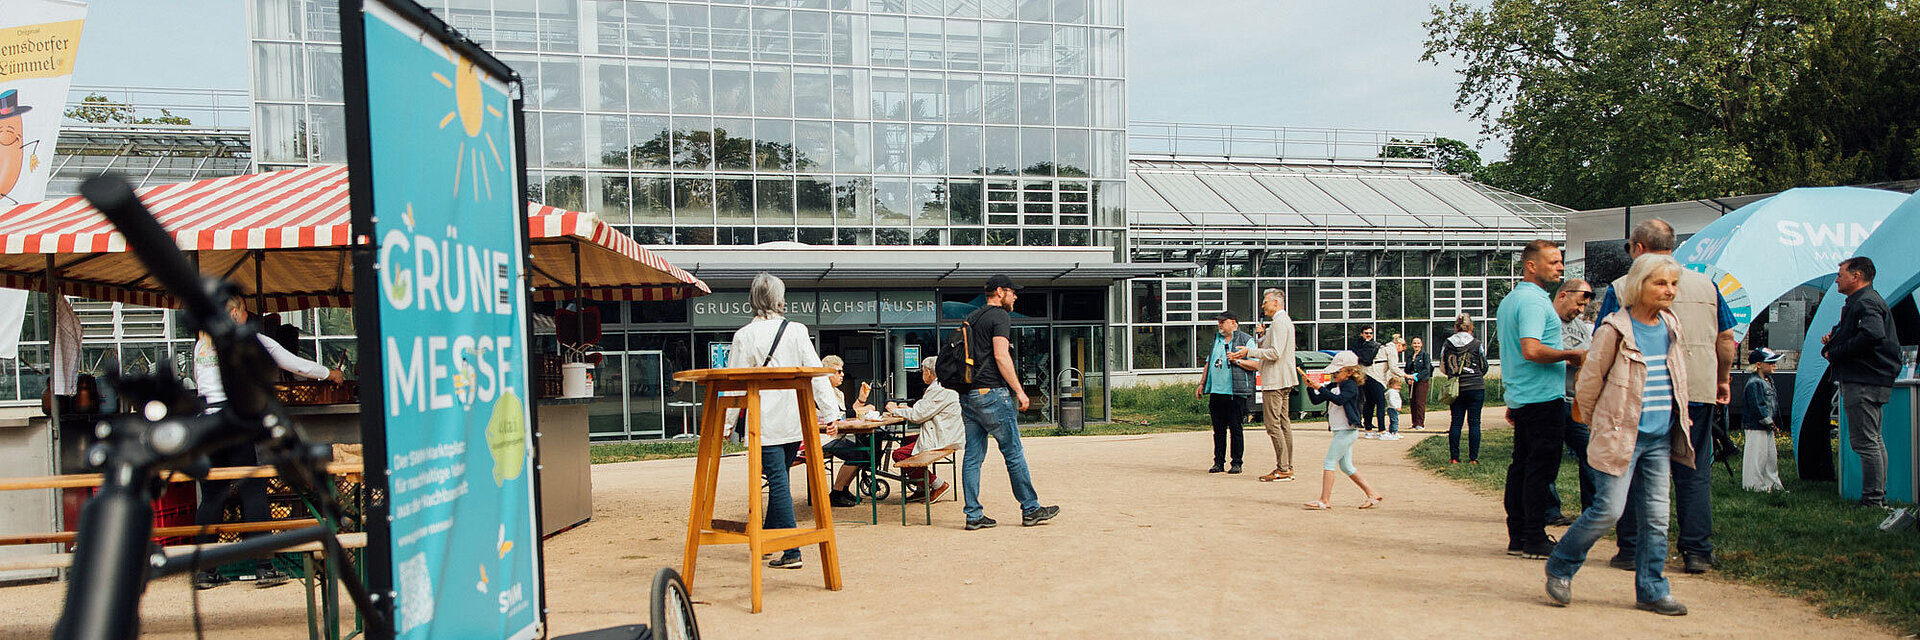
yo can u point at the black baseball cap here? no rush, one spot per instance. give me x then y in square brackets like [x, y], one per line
[1001, 280]
[1763, 354]
[1225, 316]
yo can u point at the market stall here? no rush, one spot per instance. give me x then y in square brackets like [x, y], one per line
[283, 238]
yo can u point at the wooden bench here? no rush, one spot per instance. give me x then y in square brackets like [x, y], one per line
[321, 621]
[924, 460]
[349, 470]
[65, 560]
[85, 480]
[168, 532]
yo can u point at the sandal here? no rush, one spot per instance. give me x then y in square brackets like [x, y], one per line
[1317, 506]
[1372, 502]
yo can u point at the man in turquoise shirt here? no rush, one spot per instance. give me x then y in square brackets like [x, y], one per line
[1536, 392]
[1228, 387]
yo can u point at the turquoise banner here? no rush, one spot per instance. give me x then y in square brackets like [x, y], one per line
[453, 345]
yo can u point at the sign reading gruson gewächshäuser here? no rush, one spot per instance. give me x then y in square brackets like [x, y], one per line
[450, 419]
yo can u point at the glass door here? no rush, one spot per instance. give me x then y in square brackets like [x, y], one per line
[1083, 348]
[631, 400]
[1033, 360]
[607, 414]
[646, 395]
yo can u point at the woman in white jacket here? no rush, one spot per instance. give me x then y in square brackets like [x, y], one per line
[771, 340]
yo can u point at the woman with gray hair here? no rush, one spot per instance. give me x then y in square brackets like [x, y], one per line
[771, 340]
[1630, 394]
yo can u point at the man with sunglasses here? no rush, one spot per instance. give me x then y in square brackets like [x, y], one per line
[1575, 333]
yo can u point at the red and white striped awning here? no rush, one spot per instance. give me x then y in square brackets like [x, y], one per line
[283, 237]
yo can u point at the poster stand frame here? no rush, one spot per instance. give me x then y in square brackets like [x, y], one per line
[378, 563]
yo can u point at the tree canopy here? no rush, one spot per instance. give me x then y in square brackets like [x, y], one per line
[1612, 102]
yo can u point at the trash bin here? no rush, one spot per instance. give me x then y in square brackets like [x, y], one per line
[1313, 362]
[1072, 402]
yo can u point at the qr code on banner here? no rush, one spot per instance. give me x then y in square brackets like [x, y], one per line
[416, 593]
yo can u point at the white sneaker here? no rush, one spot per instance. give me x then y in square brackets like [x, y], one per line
[1369, 435]
[1390, 436]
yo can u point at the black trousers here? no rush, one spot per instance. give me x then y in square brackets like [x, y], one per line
[1228, 411]
[216, 494]
[1373, 404]
[1537, 440]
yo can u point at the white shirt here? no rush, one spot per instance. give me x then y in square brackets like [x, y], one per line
[938, 414]
[1393, 400]
[66, 348]
[779, 419]
[1336, 414]
[206, 367]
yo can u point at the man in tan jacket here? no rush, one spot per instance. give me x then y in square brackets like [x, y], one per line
[1277, 380]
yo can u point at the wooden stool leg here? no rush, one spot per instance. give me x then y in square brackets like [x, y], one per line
[756, 512]
[817, 488]
[705, 474]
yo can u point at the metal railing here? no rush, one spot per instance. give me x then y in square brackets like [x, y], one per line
[221, 109]
[1250, 142]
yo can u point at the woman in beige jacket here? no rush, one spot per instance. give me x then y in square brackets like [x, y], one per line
[1628, 394]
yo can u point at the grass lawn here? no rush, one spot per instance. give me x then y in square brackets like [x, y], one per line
[659, 450]
[1808, 542]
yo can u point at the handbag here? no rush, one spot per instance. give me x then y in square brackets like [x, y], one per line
[1449, 389]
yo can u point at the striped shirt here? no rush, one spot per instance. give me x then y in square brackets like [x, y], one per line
[1656, 398]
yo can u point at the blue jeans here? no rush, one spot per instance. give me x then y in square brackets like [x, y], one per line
[774, 459]
[1466, 408]
[993, 414]
[1644, 485]
[1577, 436]
[1692, 490]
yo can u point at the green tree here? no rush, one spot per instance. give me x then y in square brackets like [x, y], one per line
[1449, 155]
[1610, 102]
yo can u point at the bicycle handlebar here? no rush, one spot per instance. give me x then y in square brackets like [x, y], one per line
[202, 299]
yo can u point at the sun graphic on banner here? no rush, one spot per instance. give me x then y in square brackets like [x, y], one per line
[470, 108]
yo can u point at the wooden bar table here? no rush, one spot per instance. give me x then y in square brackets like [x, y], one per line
[701, 527]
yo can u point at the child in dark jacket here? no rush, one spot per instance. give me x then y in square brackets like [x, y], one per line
[1761, 470]
[1341, 392]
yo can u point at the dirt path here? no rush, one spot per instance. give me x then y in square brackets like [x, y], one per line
[1147, 544]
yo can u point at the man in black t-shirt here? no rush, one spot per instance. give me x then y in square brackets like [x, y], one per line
[988, 409]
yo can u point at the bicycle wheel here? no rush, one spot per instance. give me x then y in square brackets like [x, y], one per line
[672, 608]
[873, 486]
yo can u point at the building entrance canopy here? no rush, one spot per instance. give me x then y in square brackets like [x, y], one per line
[283, 236]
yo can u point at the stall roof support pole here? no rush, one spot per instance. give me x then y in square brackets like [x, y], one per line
[579, 303]
[259, 282]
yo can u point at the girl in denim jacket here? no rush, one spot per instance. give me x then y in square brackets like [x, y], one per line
[1342, 395]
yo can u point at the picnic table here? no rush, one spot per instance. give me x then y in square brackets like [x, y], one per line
[884, 435]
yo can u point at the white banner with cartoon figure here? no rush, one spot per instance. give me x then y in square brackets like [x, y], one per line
[38, 40]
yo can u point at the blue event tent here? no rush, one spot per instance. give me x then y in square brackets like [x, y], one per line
[1761, 251]
[1898, 267]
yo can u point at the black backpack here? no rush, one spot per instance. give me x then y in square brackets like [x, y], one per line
[956, 365]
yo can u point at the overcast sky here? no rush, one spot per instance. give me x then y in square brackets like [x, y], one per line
[1300, 63]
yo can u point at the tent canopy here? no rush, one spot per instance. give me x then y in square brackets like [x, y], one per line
[284, 237]
[1760, 251]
